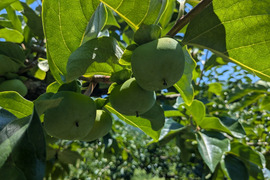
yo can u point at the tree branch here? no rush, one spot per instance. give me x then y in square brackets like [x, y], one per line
[184, 20]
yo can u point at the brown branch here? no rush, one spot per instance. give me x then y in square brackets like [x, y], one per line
[184, 20]
[97, 79]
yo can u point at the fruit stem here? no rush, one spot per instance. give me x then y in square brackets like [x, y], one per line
[184, 20]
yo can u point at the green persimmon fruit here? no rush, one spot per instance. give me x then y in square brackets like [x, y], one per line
[156, 117]
[130, 99]
[14, 85]
[158, 64]
[102, 126]
[72, 118]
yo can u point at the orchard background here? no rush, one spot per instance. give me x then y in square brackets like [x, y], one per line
[214, 121]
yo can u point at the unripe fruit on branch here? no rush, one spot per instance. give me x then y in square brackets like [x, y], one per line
[102, 126]
[14, 85]
[73, 118]
[130, 99]
[158, 64]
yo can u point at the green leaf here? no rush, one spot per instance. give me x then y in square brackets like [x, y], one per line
[247, 101]
[69, 157]
[212, 146]
[111, 21]
[14, 18]
[64, 28]
[33, 21]
[98, 50]
[96, 23]
[265, 104]
[167, 12]
[7, 65]
[16, 104]
[235, 168]
[5, 3]
[215, 88]
[234, 126]
[213, 123]
[213, 62]
[13, 51]
[133, 12]
[184, 85]
[170, 130]
[242, 90]
[236, 31]
[246, 153]
[126, 56]
[5, 118]
[11, 35]
[141, 123]
[197, 110]
[22, 147]
[253, 160]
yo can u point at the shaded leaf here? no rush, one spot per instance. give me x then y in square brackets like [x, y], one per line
[184, 85]
[234, 126]
[265, 104]
[33, 21]
[5, 118]
[69, 157]
[22, 145]
[236, 31]
[170, 130]
[13, 51]
[212, 146]
[93, 52]
[96, 23]
[215, 88]
[235, 168]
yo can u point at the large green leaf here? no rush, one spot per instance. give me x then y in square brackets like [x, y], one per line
[212, 146]
[22, 148]
[237, 30]
[253, 160]
[5, 3]
[235, 168]
[133, 12]
[102, 53]
[184, 85]
[11, 35]
[16, 104]
[64, 28]
[139, 122]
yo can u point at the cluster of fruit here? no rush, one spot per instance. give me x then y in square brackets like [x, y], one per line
[76, 118]
[156, 65]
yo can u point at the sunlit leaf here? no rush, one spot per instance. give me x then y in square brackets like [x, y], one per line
[184, 86]
[236, 31]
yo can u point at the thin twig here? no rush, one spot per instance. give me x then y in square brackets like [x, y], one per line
[184, 20]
